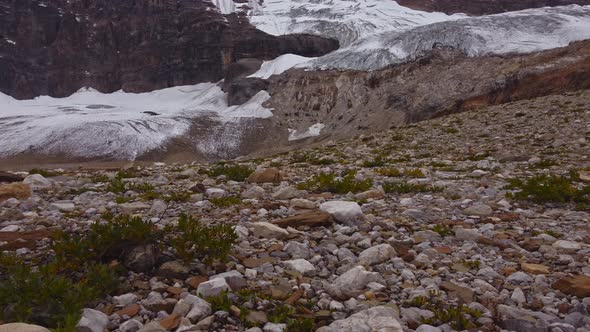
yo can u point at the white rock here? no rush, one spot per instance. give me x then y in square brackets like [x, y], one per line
[66, 206]
[250, 273]
[92, 321]
[287, 193]
[254, 192]
[131, 325]
[212, 287]
[518, 296]
[269, 231]
[10, 228]
[406, 201]
[481, 210]
[22, 327]
[466, 234]
[375, 319]
[272, 327]
[343, 211]
[158, 207]
[38, 181]
[427, 328]
[133, 207]
[200, 308]
[352, 282]
[303, 203]
[215, 193]
[377, 254]
[125, 299]
[300, 266]
[567, 246]
[519, 278]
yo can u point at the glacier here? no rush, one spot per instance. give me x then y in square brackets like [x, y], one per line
[116, 125]
[515, 32]
[345, 20]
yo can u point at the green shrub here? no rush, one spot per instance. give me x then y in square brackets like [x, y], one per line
[103, 241]
[311, 159]
[443, 230]
[43, 172]
[206, 242]
[99, 178]
[116, 185]
[232, 172]
[406, 188]
[390, 172]
[220, 301]
[46, 297]
[414, 173]
[459, 317]
[472, 264]
[379, 161]
[228, 201]
[549, 189]
[328, 182]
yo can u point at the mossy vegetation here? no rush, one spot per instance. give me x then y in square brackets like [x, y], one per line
[550, 189]
[406, 188]
[231, 172]
[330, 182]
[81, 267]
[459, 316]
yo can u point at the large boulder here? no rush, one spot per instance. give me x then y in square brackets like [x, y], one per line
[343, 211]
[22, 327]
[352, 282]
[375, 319]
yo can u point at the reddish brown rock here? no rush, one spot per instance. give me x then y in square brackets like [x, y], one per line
[130, 310]
[171, 322]
[309, 219]
[14, 190]
[576, 285]
[194, 282]
[269, 175]
[17, 240]
[256, 262]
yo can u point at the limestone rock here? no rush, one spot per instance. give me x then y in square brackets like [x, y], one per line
[375, 319]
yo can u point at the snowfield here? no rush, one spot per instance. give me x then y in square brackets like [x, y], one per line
[117, 125]
[516, 32]
[345, 20]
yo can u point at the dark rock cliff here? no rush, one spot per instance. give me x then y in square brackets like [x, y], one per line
[484, 7]
[55, 47]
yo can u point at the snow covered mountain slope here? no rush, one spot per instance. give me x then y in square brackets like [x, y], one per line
[344, 20]
[516, 32]
[280, 65]
[118, 125]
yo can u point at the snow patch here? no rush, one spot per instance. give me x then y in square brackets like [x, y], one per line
[312, 131]
[117, 125]
[279, 65]
[10, 41]
[225, 6]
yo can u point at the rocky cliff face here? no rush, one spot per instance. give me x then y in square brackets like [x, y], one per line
[55, 47]
[484, 7]
[442, 82]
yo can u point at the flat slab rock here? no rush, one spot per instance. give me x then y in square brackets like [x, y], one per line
[379, 318]
[310, 219]
[576, 285]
